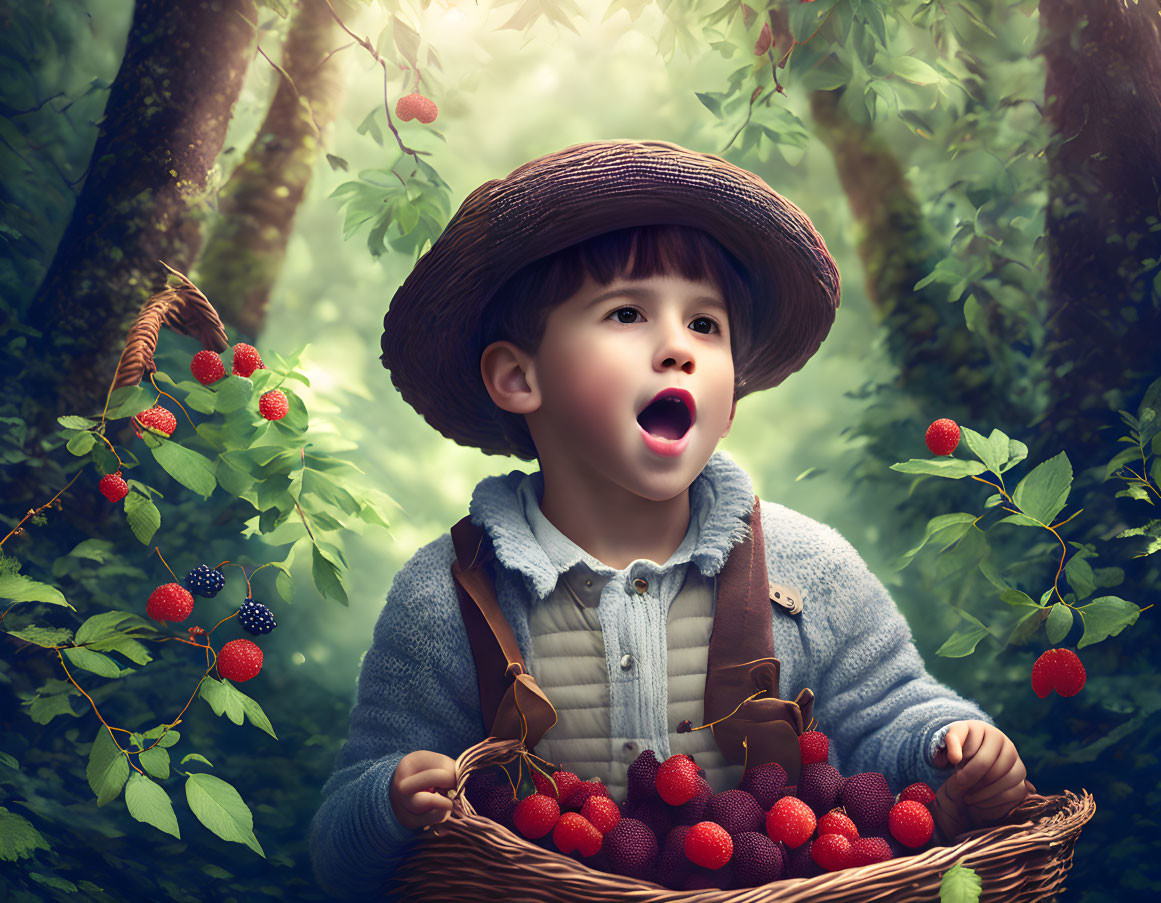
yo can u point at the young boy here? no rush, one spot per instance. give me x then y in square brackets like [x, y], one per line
[602, 310]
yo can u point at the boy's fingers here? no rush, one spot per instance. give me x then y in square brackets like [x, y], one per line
[983, 795]
[430, 777]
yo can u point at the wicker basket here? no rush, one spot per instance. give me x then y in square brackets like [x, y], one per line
[469, 857]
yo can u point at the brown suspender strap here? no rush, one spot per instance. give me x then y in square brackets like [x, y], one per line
[512, 705]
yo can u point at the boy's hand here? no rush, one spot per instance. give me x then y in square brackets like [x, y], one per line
[418, 774]
[990, 779]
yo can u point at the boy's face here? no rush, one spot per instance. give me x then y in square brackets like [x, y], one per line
[607, 354]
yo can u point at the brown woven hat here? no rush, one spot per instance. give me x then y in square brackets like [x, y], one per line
[431, 329]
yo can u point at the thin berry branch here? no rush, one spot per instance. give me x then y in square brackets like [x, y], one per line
[32, 512]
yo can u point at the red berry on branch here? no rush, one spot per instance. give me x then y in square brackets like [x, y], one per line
[171, 602]
[942, 436]
[113, 487]
[1060, 670]
[246, 360]
[239, 660]
[159, 419]
[273, 405]
[207, 367]
[416, 106]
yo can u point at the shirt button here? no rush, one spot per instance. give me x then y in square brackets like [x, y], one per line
[626, 662]
[641, 586]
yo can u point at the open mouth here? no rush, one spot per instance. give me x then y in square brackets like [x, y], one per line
[669, 415]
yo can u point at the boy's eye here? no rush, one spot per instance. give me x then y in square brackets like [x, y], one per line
[704, 324]
[625, 315]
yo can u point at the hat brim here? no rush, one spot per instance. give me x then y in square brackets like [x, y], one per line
[575, 194]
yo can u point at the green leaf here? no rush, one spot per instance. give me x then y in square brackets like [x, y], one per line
[1017, 452]
[18, 838]
[1026, 627]
[951, 468]
[155, 761]
[223, 699]
[944, 530]
[197, 757]
[108, 768]
[76, 422]
[993, 451]
[328, 490]
[254, 712]
[326, 577]
[148, 803]
[110, 624]
[128, 401]
[993, 576]
[200, 398]
[1044, 492]
[1059, 622]
[81, 444]
[233, 393]
[143, 516]
[1016, 597]
[1105, 617]
[960, 884]
[220, 808]
[98, 664]
[99, 550]
[1080, 576]
[46, 637]
[1022, 519]
[192, 470]
[47, 705]
[915, 71]
[18, 588]
[168, 738]
[962, 642]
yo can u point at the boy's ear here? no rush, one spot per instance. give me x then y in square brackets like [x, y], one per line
[509, 378]
[730, 423]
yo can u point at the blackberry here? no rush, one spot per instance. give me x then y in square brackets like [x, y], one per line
[255, 618]
[204, 581]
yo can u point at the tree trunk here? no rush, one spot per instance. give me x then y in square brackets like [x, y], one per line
[165, 122]
[1103, 100]
[246, 248]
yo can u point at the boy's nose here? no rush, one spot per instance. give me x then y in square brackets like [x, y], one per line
[675, 352]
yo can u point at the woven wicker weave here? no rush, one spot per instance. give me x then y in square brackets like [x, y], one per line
[470, 858]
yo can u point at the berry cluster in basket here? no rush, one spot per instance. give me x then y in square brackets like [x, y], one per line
[674, 830]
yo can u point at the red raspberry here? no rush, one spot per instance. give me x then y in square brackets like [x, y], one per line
[602, 812]
[536, 815]
[911, 823]
[246, 360]
[835, 822]
[171, 602]
[113, 486]
[158, 418]
[575, 832]
[942, 436]
[709, 845]
[791, 821]
[1059, 670]
[239, 660]
[919, 792]
[814, 746]
[676, 780]
[831, 851]
[566, 783]
[207, 367]
[273, 405]
[543, 785]
[869, 850]
[416, 106]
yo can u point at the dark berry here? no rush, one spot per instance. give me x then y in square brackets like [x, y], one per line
[256, 618]
[204, 581]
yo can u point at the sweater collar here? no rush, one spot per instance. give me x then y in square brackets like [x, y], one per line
[721, 501]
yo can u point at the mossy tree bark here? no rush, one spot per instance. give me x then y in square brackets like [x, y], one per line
[1103, 100]
[246, 248]
[165, 122]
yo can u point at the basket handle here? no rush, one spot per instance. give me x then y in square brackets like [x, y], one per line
[182, 308]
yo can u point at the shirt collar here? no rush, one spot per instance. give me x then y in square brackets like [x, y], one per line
[507, 507]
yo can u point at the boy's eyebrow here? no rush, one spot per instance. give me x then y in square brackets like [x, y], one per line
[648, 293]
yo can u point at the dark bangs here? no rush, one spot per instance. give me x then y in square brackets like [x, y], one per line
[518, 311]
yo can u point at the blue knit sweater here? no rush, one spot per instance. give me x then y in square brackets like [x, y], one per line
[418, 689]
